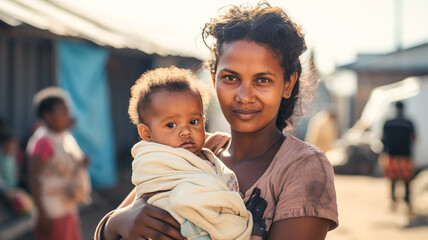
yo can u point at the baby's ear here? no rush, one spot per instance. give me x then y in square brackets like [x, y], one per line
[144, 132]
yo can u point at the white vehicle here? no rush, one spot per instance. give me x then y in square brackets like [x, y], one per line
[358, 148]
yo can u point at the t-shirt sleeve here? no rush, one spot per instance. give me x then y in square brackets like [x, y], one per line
[307, 190]
[43, 148]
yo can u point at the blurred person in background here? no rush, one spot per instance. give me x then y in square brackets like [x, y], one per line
[8, 163]
[16, 200]
[322, 130]
[396, 160]
[59, 179]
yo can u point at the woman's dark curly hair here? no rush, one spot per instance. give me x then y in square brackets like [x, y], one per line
[266, 25]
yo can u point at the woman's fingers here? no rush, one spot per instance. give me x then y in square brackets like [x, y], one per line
[141, 220]
[158, 213]
[156, 223]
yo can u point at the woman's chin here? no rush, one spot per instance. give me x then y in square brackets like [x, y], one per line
[245, 128]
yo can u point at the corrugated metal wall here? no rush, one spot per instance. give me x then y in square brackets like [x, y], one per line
[26, 66]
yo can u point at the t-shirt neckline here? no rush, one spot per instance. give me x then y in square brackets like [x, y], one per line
[249, 190]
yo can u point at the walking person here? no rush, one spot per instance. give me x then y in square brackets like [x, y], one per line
[396, 160]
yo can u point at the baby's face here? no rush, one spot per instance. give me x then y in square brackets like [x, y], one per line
[175, 119]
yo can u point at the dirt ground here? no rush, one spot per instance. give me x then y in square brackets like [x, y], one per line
[365, 210]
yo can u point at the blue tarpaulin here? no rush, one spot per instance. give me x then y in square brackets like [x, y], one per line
[82, 73]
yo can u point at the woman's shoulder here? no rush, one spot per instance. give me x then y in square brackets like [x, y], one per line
[296, 156]
[296, 148]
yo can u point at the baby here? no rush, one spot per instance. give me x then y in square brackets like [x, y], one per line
[171, 169]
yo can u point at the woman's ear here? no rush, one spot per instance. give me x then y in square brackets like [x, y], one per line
[289, 85]
[144, 132]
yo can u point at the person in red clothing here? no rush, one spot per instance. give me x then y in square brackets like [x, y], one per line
[59, 179]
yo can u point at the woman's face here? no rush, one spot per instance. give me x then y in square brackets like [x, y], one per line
[250, 85]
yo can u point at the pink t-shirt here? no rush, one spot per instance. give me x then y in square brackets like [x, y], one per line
[298, 183]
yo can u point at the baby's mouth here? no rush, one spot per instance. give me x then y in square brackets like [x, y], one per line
[187, 144]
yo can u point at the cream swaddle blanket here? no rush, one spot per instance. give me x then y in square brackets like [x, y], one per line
[191, 189]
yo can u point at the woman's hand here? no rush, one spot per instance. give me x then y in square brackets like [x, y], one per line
[142, 220]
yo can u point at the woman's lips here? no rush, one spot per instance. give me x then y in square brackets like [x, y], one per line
[245, 114]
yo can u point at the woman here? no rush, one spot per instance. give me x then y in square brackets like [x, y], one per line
[287, 184]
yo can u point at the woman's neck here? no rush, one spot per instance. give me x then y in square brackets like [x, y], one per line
[253, 146]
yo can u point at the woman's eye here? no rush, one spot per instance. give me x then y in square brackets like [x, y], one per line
[194, 121]
[263, 80]
[171, 125]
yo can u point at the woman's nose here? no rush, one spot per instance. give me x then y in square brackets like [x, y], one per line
[245, 93]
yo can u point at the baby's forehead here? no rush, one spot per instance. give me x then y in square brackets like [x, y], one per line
[175, 94]
[163, 99]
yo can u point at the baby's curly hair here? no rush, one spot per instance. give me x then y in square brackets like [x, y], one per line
[171, 79]
[266, 25]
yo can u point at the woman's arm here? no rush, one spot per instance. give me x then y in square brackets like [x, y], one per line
[305, 228]
[306, 207]
[134, 221]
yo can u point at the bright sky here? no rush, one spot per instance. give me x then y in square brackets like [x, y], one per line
[336, 30]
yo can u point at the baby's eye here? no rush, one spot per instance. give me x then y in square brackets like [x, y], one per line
[230, 78]
[171, 125]
[194, 121]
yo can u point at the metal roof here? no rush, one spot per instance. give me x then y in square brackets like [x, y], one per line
[414, 60]
[60, 20]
